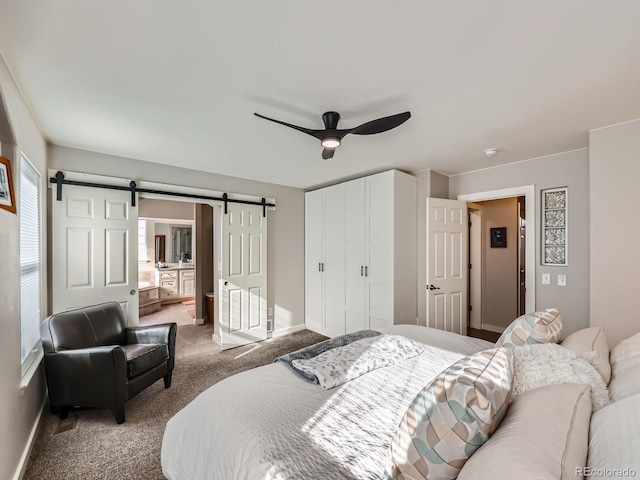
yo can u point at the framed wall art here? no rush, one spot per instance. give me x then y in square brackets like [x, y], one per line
[7, 195]
[499, 237]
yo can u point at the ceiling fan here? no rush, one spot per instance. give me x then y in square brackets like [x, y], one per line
[331, 136]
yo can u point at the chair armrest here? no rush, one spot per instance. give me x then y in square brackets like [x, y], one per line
[87, 376]
[163, 333]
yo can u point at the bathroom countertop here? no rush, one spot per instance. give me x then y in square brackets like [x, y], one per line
[174, 267]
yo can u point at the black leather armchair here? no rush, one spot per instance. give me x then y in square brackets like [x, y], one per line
[93, 360]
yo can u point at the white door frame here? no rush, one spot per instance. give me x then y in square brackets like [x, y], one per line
[529, 193]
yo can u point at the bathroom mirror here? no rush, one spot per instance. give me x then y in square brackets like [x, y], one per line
[160, 247]
[182, 239]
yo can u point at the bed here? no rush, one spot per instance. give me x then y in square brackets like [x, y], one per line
[268, 423]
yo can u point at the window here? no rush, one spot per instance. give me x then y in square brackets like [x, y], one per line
[142, 240]
[30, 266]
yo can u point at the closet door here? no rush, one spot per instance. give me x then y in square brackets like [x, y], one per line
[379, 250]
[334, 255]
[355, 258]
[313, 260]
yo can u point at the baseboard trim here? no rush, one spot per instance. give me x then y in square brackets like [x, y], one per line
[286, 331]
[22, 466]
[198, 321]
[216, 339]
[492, 328]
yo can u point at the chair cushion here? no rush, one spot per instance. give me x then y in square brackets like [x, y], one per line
[144, 356]
[87, 327]
[532, 328]
[452, 416]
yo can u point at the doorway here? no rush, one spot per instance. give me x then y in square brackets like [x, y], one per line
[166, 261]
[523, 271]
[497, 235]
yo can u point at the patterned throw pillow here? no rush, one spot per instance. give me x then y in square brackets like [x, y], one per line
[533, 328]
[452, 417]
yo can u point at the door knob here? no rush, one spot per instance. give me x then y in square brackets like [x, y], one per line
[226, 283]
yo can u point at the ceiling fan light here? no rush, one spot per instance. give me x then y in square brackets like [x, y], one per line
[330, 142]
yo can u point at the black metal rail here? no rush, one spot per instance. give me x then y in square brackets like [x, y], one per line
[59, 180]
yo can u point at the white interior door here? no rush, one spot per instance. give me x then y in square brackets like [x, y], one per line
[447, 264]
[380, 251]
[313, 260]
[94, 249]
[355, 261]
[334, 265]
[243, 285]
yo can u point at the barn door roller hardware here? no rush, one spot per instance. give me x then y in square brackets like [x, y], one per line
[59, 180]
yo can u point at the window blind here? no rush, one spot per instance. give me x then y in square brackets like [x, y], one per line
[30, 268]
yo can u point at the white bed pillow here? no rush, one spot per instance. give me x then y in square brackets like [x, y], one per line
[625, 368]
[591, 344]
[614, 440]
[543, 436]
[536, 366]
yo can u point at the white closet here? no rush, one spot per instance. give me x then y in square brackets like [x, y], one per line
[360, 254]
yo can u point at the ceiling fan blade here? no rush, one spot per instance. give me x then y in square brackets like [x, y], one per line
[308, 131]
[381, 124]
[327, 153]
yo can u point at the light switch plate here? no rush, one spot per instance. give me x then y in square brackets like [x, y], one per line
[270, 312]
[546, 279]
[562, 280]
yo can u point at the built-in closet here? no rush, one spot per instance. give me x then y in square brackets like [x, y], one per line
[360, 254]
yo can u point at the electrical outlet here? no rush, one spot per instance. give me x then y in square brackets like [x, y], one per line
[546, 279]
[270, 312]
[562, 280]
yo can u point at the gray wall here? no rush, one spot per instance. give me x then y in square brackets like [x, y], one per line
[18, 412]
[615, 262]
[570, 169]
[285, 254]
[500, 265]
[154, 208]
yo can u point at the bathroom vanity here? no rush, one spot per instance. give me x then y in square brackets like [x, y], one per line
[176, 283]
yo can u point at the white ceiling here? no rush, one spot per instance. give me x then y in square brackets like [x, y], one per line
[178, 82]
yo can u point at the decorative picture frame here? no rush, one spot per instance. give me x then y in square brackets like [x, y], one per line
[499, 237]
[7, 195]
[555, 227]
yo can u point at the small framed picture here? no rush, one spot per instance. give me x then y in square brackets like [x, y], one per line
[7, 199]
[499, 237]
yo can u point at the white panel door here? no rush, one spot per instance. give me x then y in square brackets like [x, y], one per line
[313, 260]
[355, 261]
[447, 264]
[243, 285]
[94, 249]
[334, 264]
[380, 248]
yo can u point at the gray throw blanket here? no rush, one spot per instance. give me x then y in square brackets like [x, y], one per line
[315, 350]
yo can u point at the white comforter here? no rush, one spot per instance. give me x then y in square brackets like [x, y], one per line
[269, 424]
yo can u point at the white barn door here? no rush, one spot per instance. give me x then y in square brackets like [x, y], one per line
[94, 249]
[447, 264]
[242, 287]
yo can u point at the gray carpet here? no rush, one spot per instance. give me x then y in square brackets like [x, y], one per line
[98, 448]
